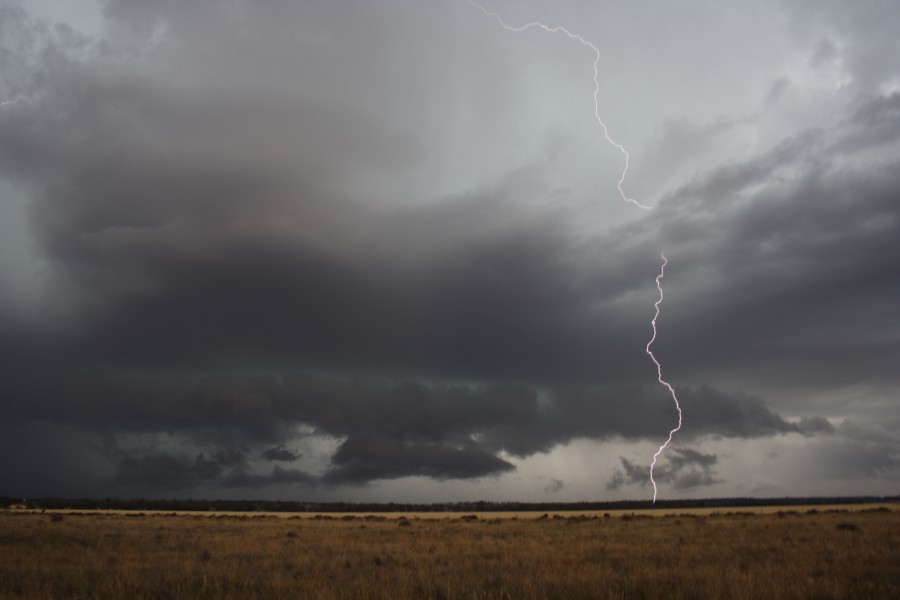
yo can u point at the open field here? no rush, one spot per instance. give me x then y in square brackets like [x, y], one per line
[787, 553]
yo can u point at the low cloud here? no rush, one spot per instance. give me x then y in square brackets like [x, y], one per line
[682, 468]
[280, 453]
[815, 425]
[163, 471]
[555, 486]
[216, 430]
[364, 458]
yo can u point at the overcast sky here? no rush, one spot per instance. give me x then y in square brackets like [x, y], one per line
[374, 250]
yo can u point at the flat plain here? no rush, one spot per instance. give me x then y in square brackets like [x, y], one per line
[795, 552]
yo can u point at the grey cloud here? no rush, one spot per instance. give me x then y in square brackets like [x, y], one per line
[390, 429]
[694, 479]
[554, 486]
[280, 453]
[617, 479]
[223, 257]
[160, 222]
[150, 467]
[814, 425]
[824, 54]
[731, 415]
[519, 419]
[635, 412]
[211, 197]
[855, 460]
[166, 471]
[154, 472]
[630, 473]
[874, 122]
[867, 49]
[858, 430]
[243, 257]
[793, 265]
[683, 468]
[363, 458]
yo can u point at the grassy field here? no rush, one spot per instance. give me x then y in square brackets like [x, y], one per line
[788, 553]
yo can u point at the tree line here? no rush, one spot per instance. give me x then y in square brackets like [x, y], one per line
[481, 506]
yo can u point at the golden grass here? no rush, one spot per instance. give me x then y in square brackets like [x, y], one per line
[796, 554]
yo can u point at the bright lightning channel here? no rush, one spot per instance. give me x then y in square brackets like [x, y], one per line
[622, 194]
[659, 377]
[596, 51]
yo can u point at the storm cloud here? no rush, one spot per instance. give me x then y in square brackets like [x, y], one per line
[308, 248]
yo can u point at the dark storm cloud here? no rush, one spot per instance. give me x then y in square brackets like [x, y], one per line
[204, 210]
[280, 453]
[802, 271]
[173, 472]
[633, 412]
[166, 471]
[386, 430]
[244, 261]
[159, 234]
[815, 425]
[517, 419]
[368, 457]
[156, 469]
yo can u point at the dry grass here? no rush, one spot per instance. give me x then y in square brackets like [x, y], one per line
[794, 554]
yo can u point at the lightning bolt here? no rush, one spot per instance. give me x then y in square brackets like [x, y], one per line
[596, 51]
[622, 194]
[659, 377]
